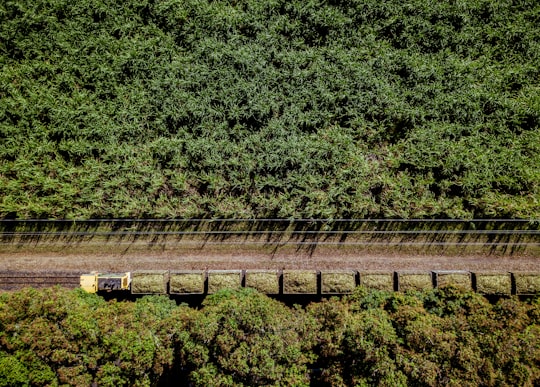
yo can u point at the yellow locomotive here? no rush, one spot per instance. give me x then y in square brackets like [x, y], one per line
[94, 282]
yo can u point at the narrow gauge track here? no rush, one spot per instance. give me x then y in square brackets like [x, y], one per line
[12, 280]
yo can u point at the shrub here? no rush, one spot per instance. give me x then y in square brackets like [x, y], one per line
[244, 338]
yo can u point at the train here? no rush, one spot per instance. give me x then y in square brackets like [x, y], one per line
[307, 282]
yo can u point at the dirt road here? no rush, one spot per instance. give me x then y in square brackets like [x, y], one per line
[141, 256]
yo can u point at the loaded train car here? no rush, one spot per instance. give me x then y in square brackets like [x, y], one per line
[308, 282]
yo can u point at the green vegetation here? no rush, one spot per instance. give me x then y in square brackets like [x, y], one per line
[279, 108]
[244, 338]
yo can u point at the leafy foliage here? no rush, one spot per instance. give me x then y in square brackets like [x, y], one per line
[436, 338]
[199, 108]
[243, 338]
[56, 337]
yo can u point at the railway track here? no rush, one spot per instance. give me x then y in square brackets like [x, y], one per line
[43, 253]
[13, 280]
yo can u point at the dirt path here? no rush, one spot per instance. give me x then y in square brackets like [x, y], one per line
[138, 257]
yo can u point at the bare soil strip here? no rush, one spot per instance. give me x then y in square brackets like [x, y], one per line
[140, 256]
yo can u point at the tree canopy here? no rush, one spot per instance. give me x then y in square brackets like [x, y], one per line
[441, 337]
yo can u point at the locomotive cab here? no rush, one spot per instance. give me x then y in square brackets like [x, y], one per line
[94, 282]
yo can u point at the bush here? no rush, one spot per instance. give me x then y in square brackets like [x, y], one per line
[244, 338]
[435, 338]
[240, 337]
[63, 337]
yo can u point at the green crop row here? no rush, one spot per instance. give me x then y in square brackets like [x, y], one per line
[243, 338]
[250, 109]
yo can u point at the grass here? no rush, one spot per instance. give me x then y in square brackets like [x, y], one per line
[527, 283]
[461, 280]
[414, 281]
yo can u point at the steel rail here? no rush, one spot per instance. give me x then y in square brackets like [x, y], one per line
[276, 232]
[338, 243]
[290, 220]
